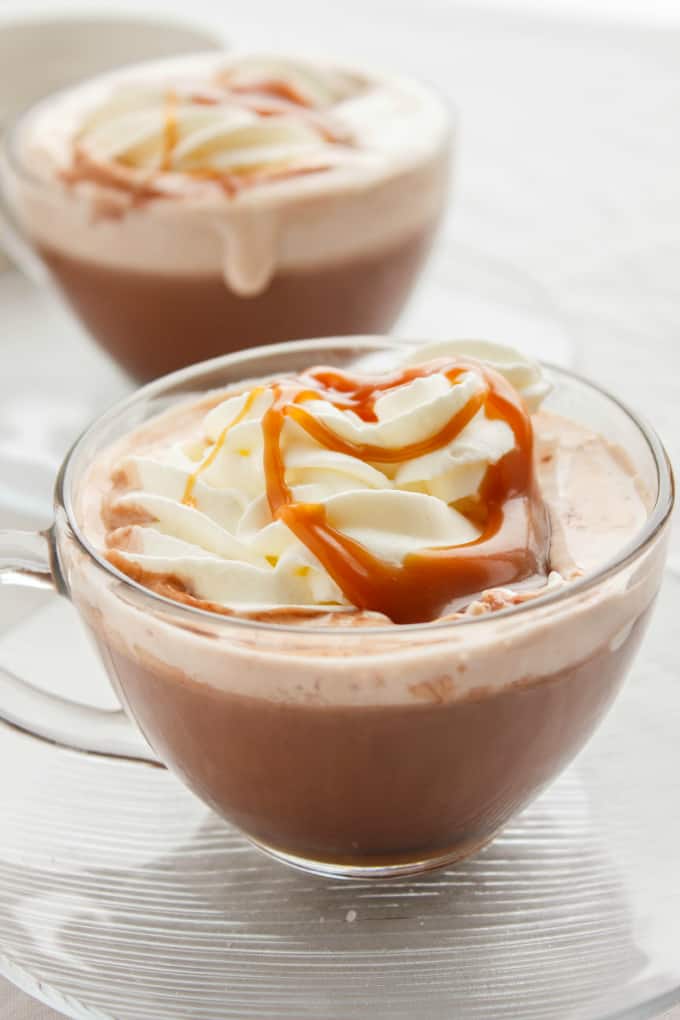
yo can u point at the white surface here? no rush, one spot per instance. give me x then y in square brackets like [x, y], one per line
[645, 12]
[597, 133]
[38, 58]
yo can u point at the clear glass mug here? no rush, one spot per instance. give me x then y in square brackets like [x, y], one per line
[369, 751]
[150, 286]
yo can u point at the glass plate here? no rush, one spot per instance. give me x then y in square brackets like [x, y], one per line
[122, 896]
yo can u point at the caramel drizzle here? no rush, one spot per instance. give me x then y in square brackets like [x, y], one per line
[137, 188]
[508, 510]
[321, 121]
[380, 454]
[170, 131]
[188, 497]
[266, 98]
[275, 88]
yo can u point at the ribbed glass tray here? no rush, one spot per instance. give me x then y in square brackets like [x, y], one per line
[121, 896]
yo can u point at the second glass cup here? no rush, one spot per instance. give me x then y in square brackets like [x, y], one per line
[192, 207]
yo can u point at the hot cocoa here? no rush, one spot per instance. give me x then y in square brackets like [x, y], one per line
[402, 557]
[192, 207]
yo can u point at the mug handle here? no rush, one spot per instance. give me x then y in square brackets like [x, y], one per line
[12, 239]
[27, 559]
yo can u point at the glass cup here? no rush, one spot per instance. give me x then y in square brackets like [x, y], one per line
[151, 286]
[366, 751]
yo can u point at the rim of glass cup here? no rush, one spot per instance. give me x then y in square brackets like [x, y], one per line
[656, 520]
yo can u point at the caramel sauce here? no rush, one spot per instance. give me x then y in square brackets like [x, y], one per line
[188, 497]
[432, 583]
[276, 88]
[138, 188]
[512, 544]
[380, 454]
[170, 131]
[320, 120]
[142, 186]
[266, 98]
[205, 98]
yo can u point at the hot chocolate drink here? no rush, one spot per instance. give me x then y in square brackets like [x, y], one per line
[406, 551]
[196, 206]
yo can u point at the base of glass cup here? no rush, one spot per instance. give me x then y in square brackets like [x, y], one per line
[398, 866]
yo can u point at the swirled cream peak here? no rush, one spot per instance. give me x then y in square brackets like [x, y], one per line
[253, 119]
[233, 120]
[330, 489]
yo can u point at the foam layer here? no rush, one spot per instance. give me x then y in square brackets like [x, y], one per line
[348, 665]
[373, 171]
[195, 507]
[596, 506]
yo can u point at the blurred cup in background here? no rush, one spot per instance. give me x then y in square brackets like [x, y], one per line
[39, 55]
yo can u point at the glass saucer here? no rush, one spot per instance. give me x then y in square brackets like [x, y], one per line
[122, 896]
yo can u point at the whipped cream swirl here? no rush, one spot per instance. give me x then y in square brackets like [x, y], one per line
[200, 509]
[255, 117]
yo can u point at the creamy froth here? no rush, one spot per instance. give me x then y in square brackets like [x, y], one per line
[397, 478]
[237, 166]
[597, 501]
[257, 121]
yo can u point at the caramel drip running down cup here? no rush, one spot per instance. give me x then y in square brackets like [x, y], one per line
[513, 542]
